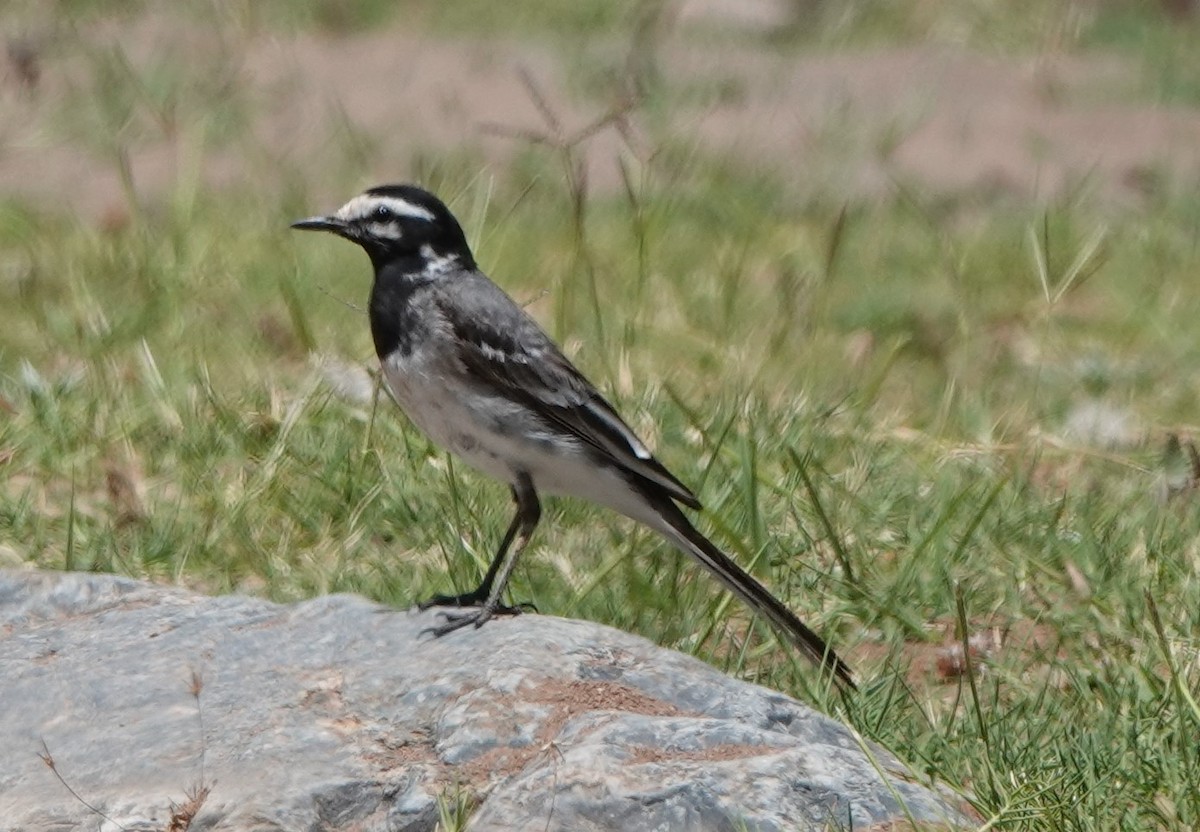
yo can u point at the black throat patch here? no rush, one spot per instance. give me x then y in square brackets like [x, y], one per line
[394, 308]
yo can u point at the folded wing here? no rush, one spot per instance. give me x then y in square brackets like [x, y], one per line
[506, 349]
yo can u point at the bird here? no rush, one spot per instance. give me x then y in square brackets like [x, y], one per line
[481, 378]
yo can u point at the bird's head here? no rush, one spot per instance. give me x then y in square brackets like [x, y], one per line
[398, 223]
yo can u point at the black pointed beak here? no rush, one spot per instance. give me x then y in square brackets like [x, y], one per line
[321, 224]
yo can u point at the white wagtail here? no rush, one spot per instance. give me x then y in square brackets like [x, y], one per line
[480, 378]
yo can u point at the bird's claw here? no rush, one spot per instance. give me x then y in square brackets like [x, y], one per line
[475, 598]
[476, 616]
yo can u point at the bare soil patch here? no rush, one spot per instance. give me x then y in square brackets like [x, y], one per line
[363, 106]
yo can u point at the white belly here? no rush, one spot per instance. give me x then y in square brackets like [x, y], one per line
[501, 438]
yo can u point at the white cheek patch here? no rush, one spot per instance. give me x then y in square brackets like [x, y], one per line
[385, 230]
[364, 205]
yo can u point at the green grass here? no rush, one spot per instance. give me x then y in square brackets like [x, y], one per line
[871, 400]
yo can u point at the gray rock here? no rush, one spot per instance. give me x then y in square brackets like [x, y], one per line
[336, 714]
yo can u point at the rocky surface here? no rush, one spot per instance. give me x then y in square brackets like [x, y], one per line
[336, 714]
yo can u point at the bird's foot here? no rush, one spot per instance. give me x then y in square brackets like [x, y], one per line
[474, 598]
[477, 616]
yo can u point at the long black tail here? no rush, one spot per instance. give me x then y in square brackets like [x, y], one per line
[679, 530]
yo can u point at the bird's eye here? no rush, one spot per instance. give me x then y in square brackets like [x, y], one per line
[383, 213]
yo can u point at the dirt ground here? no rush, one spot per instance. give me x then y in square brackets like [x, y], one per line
[852, 125]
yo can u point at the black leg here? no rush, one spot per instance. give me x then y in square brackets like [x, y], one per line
[477, 596]
[486, 597]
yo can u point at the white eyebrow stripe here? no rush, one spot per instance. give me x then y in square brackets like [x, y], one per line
[364, 205]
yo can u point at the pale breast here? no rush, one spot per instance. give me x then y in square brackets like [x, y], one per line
[491, 433]
[419, 387]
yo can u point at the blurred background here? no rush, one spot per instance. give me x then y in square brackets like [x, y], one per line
[933, 182]
[908, 291]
